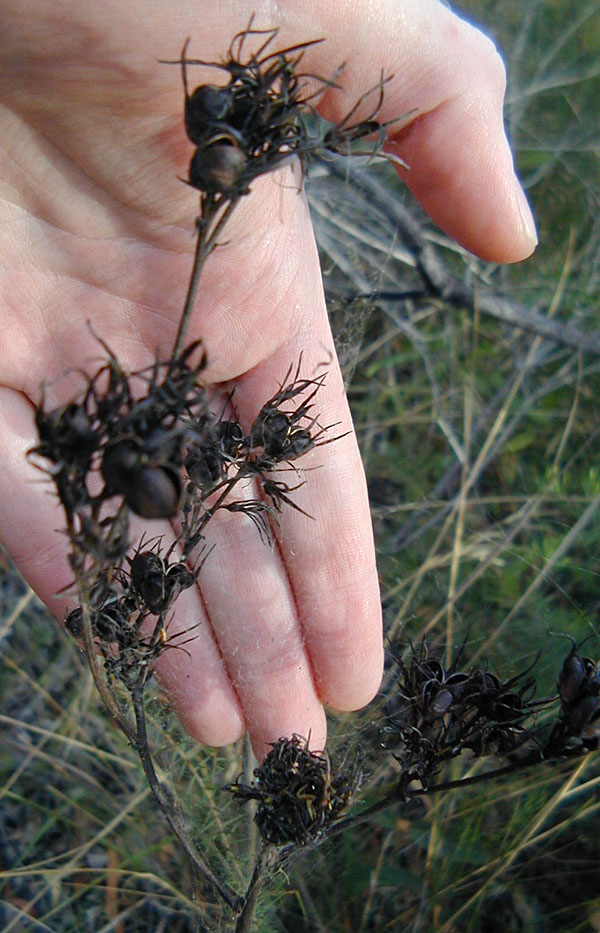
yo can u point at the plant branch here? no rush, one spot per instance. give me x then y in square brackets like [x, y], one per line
[140, 744]
[396, 795]
[264, 863]
[205, 243]
[439, 281]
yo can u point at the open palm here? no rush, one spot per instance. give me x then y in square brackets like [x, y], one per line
[96, 227]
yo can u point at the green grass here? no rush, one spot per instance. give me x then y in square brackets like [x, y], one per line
[480, 442]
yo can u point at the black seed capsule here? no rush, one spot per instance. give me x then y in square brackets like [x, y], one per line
[441, 703]
[207, 106]
[147, 579]
[180, 577]
[205, 467]
[231, 437]
[150, 490]
[572, 679]
[74, 623]
[582, 713]
[298, 443]
[271, 431]
[121, 464]
[218, 166]
[590, 734]
[66, 435]
[154, 492]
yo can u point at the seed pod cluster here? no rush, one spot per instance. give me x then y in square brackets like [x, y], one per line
[155, 581]
[257, 121]
[130, 429]
[579, 692]
[250, 125]
[278, 435]
[283, 431]
[150, 444]
[298, 792]
[442, 711]
[129, 612]
[147, 442]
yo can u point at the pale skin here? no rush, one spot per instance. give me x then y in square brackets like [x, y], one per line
[95, 226]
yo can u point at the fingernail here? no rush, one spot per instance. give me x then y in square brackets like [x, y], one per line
[526, 215]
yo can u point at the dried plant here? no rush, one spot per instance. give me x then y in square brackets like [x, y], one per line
[445, 711]
[254, 124]
[148, 442]
[298, 791]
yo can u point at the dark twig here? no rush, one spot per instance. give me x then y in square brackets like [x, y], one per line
[205, 243]
[458, 293]
[396, 795]
[91, 652]
[439, 281]
[230, 897]
[264, 865]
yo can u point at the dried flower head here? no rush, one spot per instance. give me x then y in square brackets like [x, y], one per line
[131, 430]
[257, 121]
[298, 792]
[443, 711]
[147, 442]
[579, 693]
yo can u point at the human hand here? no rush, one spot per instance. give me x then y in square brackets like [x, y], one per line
[94, 225]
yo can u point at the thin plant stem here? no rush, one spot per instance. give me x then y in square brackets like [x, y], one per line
[265, 861]
[395, 796]
[230, 897]
[101, 686]
[88, 636]
[205, 243]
